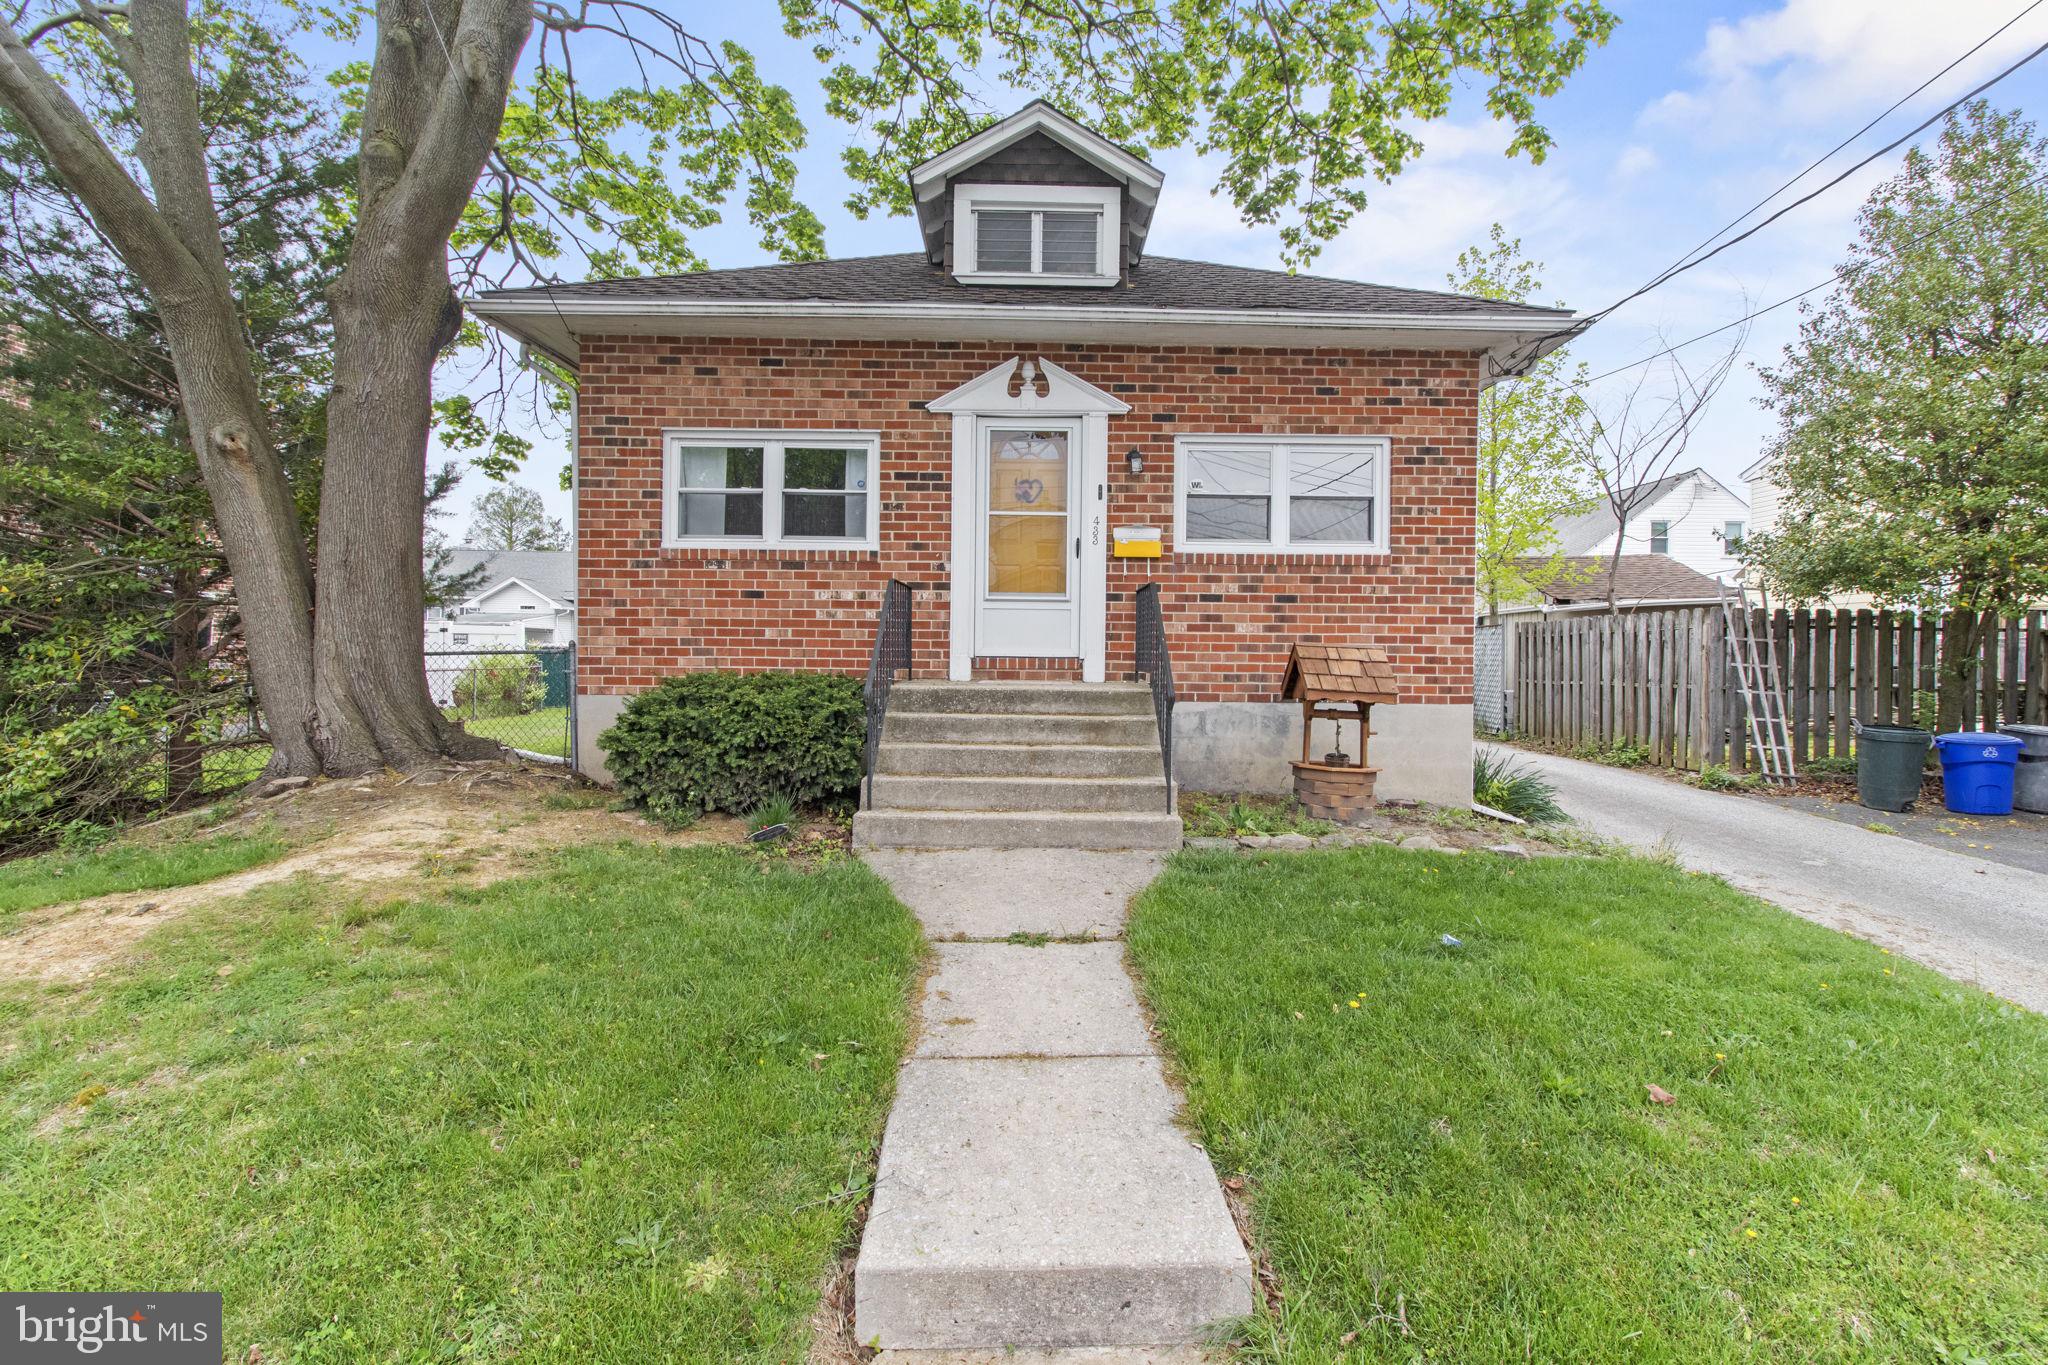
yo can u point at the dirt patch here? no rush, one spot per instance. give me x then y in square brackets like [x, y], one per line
[74, 1111]
[470, 824]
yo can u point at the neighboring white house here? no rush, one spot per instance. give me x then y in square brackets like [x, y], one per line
[1692, 517]
[1765, 493]
[524, 599]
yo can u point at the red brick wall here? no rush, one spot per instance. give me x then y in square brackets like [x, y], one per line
[644, 612]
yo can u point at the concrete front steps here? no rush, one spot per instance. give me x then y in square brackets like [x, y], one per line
[1018, 765]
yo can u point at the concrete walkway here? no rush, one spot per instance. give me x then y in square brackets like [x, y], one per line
[1977, 921]
[1034, 1189]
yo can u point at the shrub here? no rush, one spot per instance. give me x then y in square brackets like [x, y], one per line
[1498, 783]
[499, 685]
[1830, 765]
[1717, 778]
[732, 741]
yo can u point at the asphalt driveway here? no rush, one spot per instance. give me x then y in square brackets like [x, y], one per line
[1978, 921]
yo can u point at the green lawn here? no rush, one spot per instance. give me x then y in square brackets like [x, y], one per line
[1855, 1168]
[545, 731]
[619, 1111]
[53, 878]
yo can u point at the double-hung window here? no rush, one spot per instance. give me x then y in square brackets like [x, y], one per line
[1036, 234]
[1290, 495]
[1660, 537]
[732, 489]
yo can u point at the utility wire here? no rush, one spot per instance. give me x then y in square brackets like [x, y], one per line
[1698, 260]
[1840, 276]
[1890, 109]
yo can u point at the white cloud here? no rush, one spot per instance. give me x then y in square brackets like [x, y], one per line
[1812, 61]
[1635, 160]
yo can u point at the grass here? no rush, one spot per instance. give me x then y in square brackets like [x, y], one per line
[545, 731]
[1206, 816]
[1620, 753]
[1498, 781]
[1716, 777]
[620, 1111]
[54, 878]
[776, 810]
[1855, 1168]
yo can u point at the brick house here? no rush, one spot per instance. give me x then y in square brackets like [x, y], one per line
[758, 452]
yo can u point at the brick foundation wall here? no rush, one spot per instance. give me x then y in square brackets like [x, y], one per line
[644, 612]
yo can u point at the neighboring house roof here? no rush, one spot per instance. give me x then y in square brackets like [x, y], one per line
[551, 573]
[1587, 529]
[1757, 467]
[1637, 578]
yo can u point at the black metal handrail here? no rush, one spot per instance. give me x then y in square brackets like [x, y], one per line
[892, 654]
[1155, 666]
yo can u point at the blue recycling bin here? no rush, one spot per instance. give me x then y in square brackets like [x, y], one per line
[1976, 771]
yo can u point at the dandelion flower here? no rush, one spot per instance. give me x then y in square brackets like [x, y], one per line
[1354, 1004]
[1795, 1201]
[1720, 1056]
[1749, 1232]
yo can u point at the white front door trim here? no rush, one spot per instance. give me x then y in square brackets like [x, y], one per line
[1063, 395]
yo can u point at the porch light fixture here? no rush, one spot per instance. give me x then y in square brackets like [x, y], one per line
[1134, 460]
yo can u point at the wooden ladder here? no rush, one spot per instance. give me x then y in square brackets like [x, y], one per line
[1756, 673]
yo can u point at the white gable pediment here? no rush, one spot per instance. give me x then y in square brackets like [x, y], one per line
[476, 603]
[1032, 384]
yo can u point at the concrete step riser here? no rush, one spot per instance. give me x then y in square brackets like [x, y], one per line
[986, 829]
[1010, 699]
[933, 727]
[1018, 760]
[898, 792]
[1083, 1306]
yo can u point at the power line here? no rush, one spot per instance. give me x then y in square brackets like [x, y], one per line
[1840, 276]
[1889, 110]
[1694, 261]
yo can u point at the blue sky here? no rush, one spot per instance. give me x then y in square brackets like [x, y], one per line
[1687, 117]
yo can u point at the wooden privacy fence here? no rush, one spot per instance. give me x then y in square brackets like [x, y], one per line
[1661, 680]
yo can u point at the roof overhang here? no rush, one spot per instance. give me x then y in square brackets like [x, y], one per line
[1509, 344]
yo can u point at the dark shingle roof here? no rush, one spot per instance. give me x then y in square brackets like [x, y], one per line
[1160, 282]
[552, 573]
[1637, 578]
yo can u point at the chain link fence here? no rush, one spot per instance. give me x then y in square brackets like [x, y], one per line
[519, 697]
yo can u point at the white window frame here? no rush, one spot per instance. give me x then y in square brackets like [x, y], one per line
[1105, 201]
[773, 443]
[1654, 536]
[1279, 524]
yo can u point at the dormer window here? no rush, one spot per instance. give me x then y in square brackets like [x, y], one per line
[1036, 234]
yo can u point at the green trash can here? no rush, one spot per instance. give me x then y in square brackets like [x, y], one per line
[1890, 760]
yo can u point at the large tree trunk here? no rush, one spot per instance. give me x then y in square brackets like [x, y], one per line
[430, 119]
[343, 691]
[369, 664]
[255, 516]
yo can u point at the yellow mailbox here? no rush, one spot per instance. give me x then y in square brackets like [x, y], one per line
[1137, 542]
